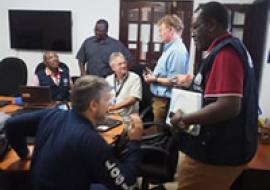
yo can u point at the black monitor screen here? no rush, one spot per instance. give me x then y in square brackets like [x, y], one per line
[40, 30]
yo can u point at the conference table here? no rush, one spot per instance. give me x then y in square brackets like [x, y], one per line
[11, 162]
[260, 163]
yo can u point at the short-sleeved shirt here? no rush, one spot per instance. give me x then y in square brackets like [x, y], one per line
[96, 55]
[227, 74]
[132, 87]
[173, 61]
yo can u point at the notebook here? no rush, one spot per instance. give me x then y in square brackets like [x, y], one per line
[36, 96]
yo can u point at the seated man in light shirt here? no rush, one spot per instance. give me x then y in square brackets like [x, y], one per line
[126, 86]
[57, 78]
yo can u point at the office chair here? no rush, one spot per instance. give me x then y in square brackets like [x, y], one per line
[13, 73]
[145, 106]
[41, 66]
[159, 156]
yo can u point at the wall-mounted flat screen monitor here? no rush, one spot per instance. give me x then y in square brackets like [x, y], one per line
[40, 30]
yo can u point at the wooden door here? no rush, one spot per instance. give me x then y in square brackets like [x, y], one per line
[248, 23]
[139, 30]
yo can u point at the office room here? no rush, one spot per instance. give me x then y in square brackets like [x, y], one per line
[134, 25]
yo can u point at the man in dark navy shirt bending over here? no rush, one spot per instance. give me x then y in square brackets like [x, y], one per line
[69, 153]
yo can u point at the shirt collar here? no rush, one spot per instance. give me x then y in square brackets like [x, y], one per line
[217, 40]
[169, 44]
[119, 82]
[105, 41]
[48, 72]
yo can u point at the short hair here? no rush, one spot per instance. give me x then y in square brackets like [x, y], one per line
[47, 53]
[115, 55]
[103, 21]
[86, 89]
[216, 11]
[172, 20]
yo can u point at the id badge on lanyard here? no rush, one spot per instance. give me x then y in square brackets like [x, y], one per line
[114, 99]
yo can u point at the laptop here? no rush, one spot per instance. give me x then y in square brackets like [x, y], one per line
[107, 124]
[36, 96]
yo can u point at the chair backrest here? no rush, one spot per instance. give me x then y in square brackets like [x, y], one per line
[145, 104]
[13, 73]
[41, 66]
[159, 155]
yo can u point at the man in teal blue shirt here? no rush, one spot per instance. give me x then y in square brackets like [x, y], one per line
[173, 61]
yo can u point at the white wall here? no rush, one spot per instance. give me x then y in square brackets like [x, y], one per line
[264, 87]
[84, 15]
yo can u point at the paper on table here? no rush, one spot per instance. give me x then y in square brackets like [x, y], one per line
[188, 102]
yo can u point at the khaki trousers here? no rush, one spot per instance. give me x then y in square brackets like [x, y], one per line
[195, 175]
[160, 108]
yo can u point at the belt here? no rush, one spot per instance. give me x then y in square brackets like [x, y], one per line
[162, 98]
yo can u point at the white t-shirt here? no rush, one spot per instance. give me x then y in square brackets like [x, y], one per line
[131, 87]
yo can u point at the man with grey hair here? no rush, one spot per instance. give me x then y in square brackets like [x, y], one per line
[127, 86]
[69, 153]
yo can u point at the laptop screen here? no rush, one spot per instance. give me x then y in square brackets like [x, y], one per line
[36, 95]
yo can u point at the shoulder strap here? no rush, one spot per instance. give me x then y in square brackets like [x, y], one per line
[207, 63]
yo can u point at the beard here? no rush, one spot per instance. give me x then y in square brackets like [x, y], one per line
[100, 116]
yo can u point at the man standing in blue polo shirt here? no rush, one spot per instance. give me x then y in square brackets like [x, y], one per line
[173, 61]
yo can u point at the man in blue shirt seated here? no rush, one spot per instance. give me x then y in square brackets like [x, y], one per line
[69, 153]
[54, 76]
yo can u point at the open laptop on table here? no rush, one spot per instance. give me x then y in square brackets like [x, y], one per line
[34, 98]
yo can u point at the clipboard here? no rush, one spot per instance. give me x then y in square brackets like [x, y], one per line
[188, 102]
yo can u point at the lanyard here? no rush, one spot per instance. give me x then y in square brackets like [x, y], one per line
[117, 91]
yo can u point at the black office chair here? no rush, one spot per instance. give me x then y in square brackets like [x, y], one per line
[159, 156]
[145, 106]
[41, 66]
[13, 73]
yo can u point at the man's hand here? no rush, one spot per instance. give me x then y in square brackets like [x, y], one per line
[112, 108]
[136, 130]
[182, 80]
[27, 157]
[149, 76]
[177, 120]
[82, 69]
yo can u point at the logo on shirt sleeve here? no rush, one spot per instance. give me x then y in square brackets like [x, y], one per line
[119, 179]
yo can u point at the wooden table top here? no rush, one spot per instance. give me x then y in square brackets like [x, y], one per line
[12, 162]
[11, 108]
[261, 160]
